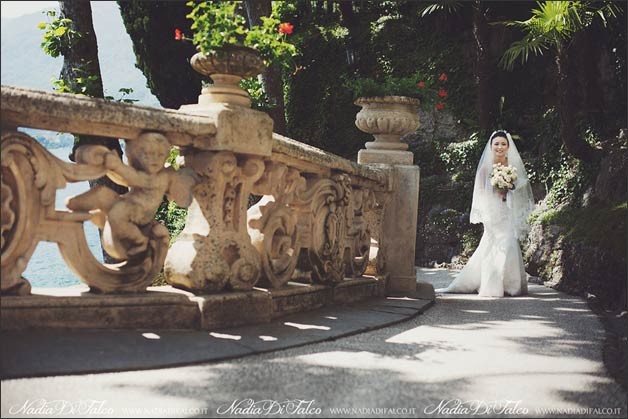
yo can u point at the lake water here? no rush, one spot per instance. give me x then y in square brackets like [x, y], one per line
[46, 267]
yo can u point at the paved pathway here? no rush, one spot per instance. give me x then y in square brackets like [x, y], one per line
[507, 357]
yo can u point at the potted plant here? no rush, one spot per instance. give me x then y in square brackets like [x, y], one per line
[229, 50]
[389, 106]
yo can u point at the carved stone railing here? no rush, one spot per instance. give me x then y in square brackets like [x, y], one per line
[316, 221]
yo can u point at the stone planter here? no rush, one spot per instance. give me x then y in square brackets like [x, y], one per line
[227, 68]
[387, 118]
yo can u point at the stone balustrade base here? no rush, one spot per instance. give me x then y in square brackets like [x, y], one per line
[378, 156]
[170, 308]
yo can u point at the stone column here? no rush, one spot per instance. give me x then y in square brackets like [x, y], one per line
[399, 224]
[214, 250]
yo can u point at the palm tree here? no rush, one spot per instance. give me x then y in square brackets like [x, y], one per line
[552, 27]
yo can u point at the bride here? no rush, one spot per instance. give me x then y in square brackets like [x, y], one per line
[496, 267]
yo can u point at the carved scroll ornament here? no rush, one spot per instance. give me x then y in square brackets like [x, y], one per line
[214, 251]
[276, 230]
[310, 226]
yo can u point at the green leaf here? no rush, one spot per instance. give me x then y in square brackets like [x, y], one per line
[60, 31]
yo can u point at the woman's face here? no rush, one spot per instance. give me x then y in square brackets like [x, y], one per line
[499, 145]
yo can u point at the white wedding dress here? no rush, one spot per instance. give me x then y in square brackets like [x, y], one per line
[496, 267]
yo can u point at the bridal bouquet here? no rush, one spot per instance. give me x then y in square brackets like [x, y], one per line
[503, 177]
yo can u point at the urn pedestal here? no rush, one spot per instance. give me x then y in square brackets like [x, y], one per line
[387, 118]
[226, 68]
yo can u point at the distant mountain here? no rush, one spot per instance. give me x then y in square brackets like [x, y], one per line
[25, 64]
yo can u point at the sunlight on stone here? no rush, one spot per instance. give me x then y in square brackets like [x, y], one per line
[580, 310]
[225, 336]
[151, 336]
[306, 326]
[402, 298]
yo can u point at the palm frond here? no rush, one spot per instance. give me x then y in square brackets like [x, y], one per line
[449, 6]
[553, 22]
[522, 50]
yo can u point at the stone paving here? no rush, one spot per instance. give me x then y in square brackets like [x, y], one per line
[467, 356]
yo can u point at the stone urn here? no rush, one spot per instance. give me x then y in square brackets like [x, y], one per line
[387, 118]
[227, 67]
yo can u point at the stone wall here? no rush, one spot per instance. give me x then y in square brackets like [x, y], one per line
[575, 267]
[583, 251]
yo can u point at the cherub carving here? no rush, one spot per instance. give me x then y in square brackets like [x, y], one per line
[125, 218]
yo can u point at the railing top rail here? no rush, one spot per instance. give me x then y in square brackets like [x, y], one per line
[24, 107]
[85, 115]
[313, 159]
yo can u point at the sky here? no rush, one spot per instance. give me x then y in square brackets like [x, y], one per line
[12, 9]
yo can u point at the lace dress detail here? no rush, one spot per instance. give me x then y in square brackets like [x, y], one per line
[496, 267]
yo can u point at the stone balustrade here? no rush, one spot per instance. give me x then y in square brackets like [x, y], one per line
[317, 221]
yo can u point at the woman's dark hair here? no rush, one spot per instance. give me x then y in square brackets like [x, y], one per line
[502, 134]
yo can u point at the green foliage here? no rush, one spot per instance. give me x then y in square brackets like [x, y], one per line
[448, 6]
[58, 39]
[173, 217]
[597, 226]
[58, 35]
[163, 60]
[124, 96]
[416, 86]
[446, 222]
[319, 109]
[409, 44]
[168, 213]
[393, 42]
[552, 23]
[80, 85]
[259, 98]
[568, 179]
[83, 85]
[217, 23]
[565, 178]
[470, 239]
[462, 157]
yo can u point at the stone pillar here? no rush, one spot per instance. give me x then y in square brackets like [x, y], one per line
[399, 223]
[214, 250]
[399, 226]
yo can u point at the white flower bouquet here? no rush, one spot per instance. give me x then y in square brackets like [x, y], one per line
[503, 177]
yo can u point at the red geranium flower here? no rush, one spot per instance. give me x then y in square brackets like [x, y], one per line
[443, 77]
[178, 35]
[440, 106]
[421, 84]
[442, 93]
[286, 28]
